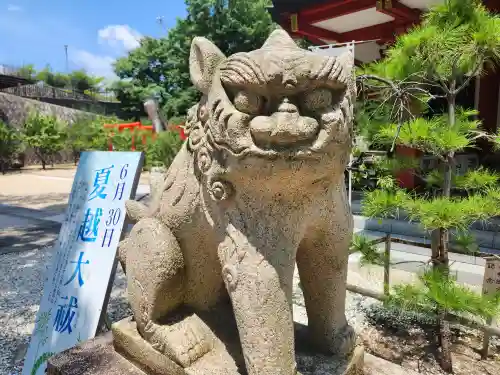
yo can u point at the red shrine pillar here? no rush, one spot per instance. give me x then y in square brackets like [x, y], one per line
[489, 100]
[406, 178]
[489, 88]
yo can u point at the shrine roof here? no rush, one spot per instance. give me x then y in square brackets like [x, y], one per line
[340, 21]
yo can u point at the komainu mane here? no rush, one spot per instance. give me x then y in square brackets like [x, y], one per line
[257, 188]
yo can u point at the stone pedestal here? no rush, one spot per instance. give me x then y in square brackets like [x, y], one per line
[124, 352]
[96, 357]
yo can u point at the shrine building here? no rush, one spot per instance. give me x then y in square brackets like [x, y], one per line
[377, 23]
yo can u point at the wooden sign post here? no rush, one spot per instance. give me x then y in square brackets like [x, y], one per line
[76, 285]
[491, 285]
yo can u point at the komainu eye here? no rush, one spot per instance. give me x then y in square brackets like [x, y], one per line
[318, 99]
[247, 102]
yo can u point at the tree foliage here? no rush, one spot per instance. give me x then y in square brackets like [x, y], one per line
[161, 151]
[160, 66]
[453, 42]
[27, 71]
[435, 135]
[437, 291]
[370, 116]
[87, 133]
[79, 79]
[369, 254]
[10, 144]
[46, 75]
[45, 134]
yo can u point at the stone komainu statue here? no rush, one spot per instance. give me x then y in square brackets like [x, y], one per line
[257, 187]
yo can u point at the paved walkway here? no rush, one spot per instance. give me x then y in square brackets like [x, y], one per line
[33, 205]
[468, 269]
[26, 229]
[47, 190]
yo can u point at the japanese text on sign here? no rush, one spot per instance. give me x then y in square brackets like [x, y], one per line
[491, 281]
[76, 285]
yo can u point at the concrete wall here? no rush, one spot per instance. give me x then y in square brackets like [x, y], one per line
[14, 110]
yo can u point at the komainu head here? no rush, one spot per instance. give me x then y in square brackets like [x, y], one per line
[279, 102]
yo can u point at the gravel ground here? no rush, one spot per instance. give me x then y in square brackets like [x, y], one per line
[21, 283]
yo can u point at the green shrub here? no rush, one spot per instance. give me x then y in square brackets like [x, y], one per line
[87, 134]
[45, 134]
[397, 319]
[161, 151]
[10, 145]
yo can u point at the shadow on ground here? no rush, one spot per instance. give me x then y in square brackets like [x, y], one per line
[29, 238]
[52, 202]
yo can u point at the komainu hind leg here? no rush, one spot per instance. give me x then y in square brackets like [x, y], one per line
[156, 276]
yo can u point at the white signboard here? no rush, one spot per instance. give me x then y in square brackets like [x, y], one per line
[491, 281]
[76, 284]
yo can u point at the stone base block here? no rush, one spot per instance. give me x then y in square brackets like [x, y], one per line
[93, 357]
[308, 364]
[130, 344]
[124, 352]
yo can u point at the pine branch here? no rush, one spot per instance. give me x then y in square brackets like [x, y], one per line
[473, 74]
[379, 79]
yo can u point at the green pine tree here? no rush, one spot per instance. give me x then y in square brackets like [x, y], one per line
[455, 43]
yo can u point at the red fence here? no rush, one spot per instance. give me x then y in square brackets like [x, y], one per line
[134, 126]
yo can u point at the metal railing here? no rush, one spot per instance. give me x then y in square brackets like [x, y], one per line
[37, 91]
[11, 70]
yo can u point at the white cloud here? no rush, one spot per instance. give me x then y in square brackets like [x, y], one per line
[94, 64]
[120, 37]
[14, 8]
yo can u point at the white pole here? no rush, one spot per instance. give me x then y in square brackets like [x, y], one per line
[352, 46]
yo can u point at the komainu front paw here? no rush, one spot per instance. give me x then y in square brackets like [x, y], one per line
[184, 342]
[343, 341]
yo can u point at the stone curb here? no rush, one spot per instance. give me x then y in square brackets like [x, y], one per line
[485, 239]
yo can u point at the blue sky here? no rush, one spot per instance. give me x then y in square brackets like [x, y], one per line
[96, 31]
